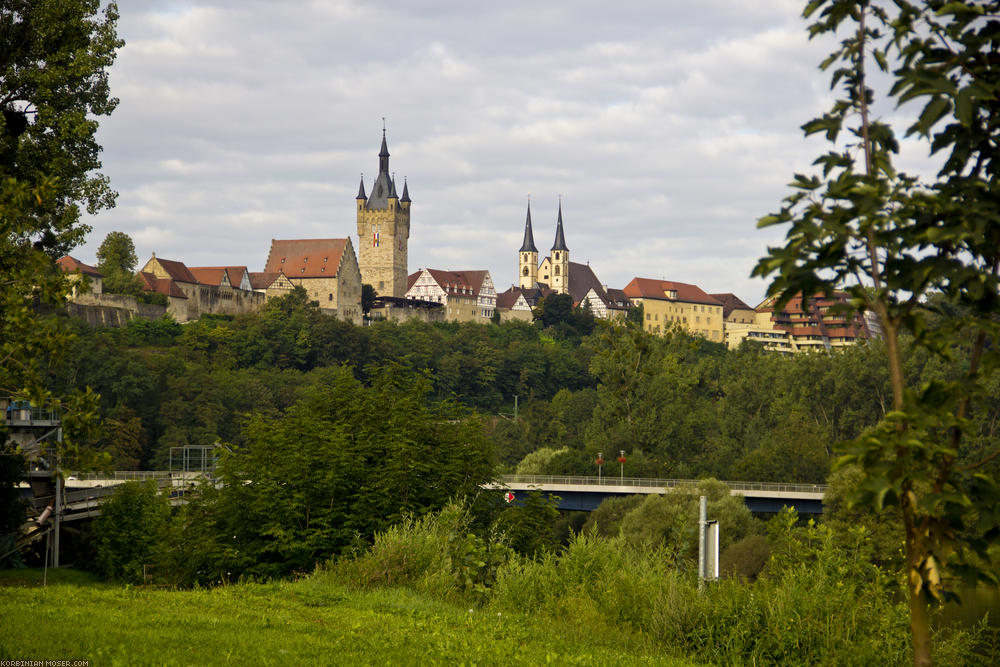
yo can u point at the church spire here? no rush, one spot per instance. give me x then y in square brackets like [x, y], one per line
[529, 238]
[406, 192]
[361, 190]
[560, 243]
[383, 156]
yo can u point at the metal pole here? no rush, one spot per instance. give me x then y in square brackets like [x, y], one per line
[58, 504]
[57, 512]
[515, 407]
[702, 521]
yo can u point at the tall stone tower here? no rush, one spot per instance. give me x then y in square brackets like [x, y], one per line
[527, 263]
[383, 231]
[559, 257]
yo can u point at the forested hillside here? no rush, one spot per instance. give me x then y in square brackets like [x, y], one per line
[677, 406]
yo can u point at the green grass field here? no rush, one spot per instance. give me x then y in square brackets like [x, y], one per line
[308, 622]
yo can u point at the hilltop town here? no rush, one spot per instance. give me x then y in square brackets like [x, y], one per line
[334, 274]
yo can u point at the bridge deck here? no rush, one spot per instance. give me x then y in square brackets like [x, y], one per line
[585, 493]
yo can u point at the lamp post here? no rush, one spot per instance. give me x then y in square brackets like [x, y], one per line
[600, 464]
[621, 467]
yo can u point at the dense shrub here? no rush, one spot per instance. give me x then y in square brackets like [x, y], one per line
[745, 558]
[435, 554]
[132, 521]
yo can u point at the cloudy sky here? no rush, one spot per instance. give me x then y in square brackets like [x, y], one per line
[667, 127]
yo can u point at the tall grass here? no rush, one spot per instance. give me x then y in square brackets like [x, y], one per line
[816, 603]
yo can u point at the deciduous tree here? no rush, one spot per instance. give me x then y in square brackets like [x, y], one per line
[893, 242]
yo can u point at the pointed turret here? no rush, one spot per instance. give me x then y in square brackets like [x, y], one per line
[529, 238]
[406, 192]
[361, 190]
[392, 189]
[383, 156]
[560, 243]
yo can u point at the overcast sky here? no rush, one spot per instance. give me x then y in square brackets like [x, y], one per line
[668, 128]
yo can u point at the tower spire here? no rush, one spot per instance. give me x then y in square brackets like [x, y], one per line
[560, 243]
[529, 238]
[383, 155]
[406, 192]
[361, 190]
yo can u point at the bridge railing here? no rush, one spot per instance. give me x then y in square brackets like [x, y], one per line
[647, 482]
[129, 475]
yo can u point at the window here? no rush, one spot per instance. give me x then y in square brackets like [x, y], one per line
[557, 255]
[557, 270]
[330, 297]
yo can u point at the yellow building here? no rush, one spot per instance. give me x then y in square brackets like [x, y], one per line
[668, 303]
[798, 326]
[326, 268]
[383, 231]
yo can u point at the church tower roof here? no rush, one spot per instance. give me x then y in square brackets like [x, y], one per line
[383, 187]
[560, 243]
[529, 238]
[361, 190]
[406, 192]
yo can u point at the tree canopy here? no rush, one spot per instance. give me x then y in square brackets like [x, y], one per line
[896, 244]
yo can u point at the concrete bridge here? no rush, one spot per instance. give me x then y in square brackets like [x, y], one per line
[586, 493]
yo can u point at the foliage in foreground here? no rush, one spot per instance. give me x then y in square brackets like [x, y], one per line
[819, 600]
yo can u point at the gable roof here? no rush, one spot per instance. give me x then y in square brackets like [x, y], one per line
[306, 258]
[730, 302]
[582, 279]
[262, 280]
[454, 282]
[648, 288]
[176, 270]
[507, 300]
[167, 286]
[212, 275]
[71, 264]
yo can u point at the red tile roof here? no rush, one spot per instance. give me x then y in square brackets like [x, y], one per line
[509, 298]
[730, 302]
[648, 288]
[306, 258]
[167, 286]
[454, 282]
[71, 265]
[262, 279]
[212, 275]
[176, 270]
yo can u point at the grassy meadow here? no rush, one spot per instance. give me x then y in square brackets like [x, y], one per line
[309, 621]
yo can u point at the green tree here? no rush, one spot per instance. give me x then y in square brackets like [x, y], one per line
[117, 261]
[672, 519]
[368, 295]
[117, 253]
[893, 243]
[54, 60]
[131, 522]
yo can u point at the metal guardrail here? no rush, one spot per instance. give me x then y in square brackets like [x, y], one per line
[646, 482]
[125, 475]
